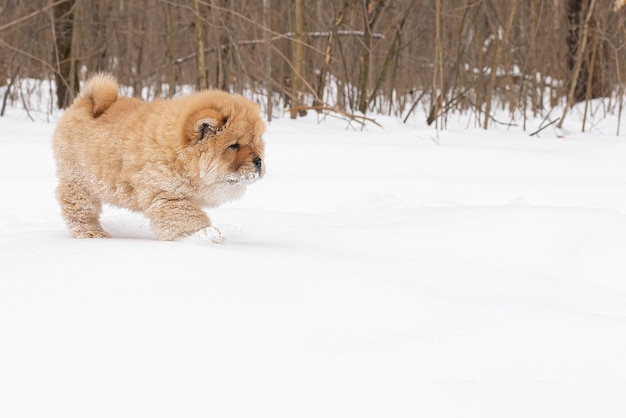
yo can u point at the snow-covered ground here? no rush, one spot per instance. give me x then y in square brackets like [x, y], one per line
[389, 272]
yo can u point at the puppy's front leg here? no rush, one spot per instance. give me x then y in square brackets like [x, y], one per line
[175, 219]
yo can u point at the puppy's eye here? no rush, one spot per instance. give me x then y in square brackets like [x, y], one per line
[233, 147]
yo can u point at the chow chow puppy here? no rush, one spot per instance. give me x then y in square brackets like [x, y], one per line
[166, 159]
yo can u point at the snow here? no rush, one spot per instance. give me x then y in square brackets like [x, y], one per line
[396, 272]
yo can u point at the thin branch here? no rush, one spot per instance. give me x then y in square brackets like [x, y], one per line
[286, 35]
[544, 127]
[351, 116]
[30, 15]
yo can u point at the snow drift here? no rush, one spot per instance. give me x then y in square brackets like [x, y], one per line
[393, 272]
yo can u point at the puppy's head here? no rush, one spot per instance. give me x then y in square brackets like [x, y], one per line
[227, 132]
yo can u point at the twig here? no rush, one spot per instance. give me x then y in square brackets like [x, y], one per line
[351, 116]
[547, 126]
[413, 106]
[8, 90]
[26, 106]
[253, 42]
[30, 15]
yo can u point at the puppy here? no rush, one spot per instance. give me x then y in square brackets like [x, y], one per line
[166, 159]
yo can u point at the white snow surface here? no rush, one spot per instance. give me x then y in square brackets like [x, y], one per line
[394, 272]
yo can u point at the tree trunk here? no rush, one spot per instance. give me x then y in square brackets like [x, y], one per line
[169, 42]
[392, 56]
[499, 45]
[298, 59]
[216, 29]
[438, 90]
[321, 81]
[372, 10]
[577, 40]
[139, 43]
[66, 76]
[582, 22]
[199, 23]
[268, 57]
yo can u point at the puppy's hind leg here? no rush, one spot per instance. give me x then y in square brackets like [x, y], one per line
[174, 219]
[81, 210]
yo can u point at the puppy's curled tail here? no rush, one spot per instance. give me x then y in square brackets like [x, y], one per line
[101, 91]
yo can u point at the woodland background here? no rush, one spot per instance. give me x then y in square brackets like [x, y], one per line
[353, 57]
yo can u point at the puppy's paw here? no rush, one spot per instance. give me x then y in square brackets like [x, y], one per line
[208, 234]
[92, 234]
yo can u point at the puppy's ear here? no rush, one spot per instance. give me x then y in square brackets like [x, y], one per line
[209, 127]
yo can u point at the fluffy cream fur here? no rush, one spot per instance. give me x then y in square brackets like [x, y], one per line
[166, 158]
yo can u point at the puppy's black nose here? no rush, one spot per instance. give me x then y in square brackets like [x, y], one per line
[257, 162]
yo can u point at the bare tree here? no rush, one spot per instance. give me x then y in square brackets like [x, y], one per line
[298, 60]
[583, 44]
[372, 10]
[402, 57]
[500, 42]
[199, 23]
[268, 58]
[65, 62]
[580, 19]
